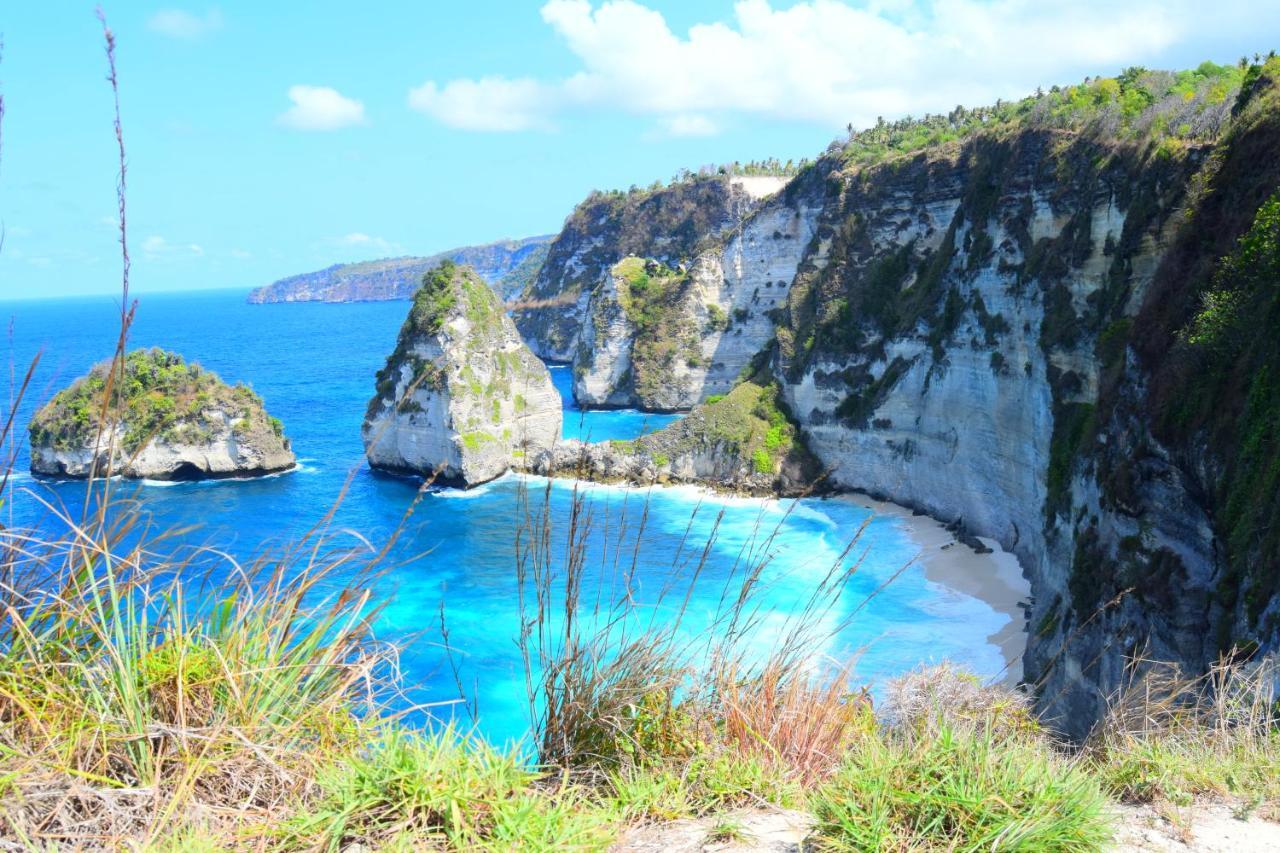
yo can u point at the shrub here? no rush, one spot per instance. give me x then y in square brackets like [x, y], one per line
[157, 395]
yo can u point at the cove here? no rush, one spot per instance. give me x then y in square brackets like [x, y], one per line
[314, 364]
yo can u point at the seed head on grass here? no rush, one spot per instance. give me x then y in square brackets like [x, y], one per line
[1170, 737]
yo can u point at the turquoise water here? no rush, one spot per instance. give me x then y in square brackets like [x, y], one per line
[601, 425]
[314, 365]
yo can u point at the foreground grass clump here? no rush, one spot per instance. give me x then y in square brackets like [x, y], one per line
[445, 789]
[962, 789]
[1176, 739]
[130, 697]
[961, 765]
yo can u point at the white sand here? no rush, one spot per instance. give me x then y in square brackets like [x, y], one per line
[995, 578]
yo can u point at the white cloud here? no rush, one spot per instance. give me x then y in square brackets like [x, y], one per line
[241, 254]
[359, 239]
[490, 103]
[822, 61]
[179, 24]
[321, 108]
[155, 247]
[688, 125]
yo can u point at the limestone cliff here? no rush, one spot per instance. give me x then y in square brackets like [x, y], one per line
[966, 335]
[1053, 319]
[398, 278]
[167, 419]
[461, 398]
[677, 283]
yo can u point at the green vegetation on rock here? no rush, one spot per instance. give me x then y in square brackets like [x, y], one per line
[433, 301]
[747, 430]
[1232, 396]
[1138, 104]
[650, 295]
[443, 288]
[160, 396]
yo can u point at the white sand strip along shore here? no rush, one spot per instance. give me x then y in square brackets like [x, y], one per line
[995, 578]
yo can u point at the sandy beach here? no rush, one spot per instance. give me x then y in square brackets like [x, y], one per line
[995, 578]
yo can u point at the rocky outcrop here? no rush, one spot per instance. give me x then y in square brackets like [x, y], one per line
[461, 399]
[1050, 321]
[166, 420]
[661, 298]
[976, 330]
[398, 278]
[742, 442]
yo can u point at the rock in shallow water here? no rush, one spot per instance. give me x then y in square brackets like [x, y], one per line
[461, 399]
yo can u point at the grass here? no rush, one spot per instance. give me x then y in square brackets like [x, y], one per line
[1176, 739]
[144, 709]
[963, 790]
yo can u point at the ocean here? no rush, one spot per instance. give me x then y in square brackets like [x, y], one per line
[314, 366]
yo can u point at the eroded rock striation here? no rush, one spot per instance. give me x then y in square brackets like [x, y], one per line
[660, 298]
[167, 419]
[1053, 320]
[461, 399]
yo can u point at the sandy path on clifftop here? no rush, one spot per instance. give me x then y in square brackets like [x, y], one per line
[994, 578]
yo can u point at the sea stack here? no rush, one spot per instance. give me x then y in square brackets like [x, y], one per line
[461, 399]
[168, 419]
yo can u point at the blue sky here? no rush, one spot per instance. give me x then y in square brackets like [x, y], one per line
[267, 139]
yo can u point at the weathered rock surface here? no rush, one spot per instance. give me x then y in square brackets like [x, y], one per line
[461, 399]
[1047, 328]
[741, 443]
[177, 421]
[720, 256]
[398, 278]
[965, 337]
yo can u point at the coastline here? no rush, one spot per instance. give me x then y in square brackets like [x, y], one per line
[995, 578]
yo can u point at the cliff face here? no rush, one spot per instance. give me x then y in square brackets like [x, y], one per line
[660, 299]
[461, 398]
[977, 331]
[176, 421]
[1054, 320]
[398, 278]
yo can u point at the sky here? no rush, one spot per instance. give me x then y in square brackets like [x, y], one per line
[267, 139]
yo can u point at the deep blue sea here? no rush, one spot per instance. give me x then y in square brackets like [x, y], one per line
[314, 365]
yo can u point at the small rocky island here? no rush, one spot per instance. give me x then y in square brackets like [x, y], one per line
[461, 399]
[172, 420]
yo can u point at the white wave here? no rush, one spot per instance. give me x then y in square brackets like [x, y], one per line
[464, 494]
